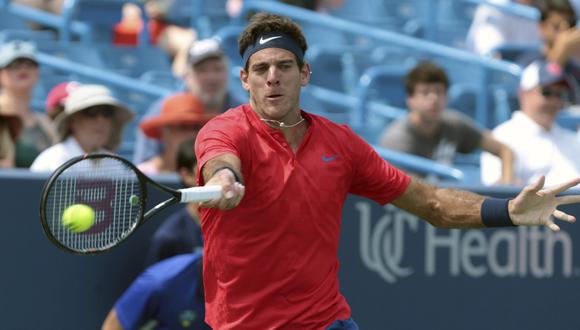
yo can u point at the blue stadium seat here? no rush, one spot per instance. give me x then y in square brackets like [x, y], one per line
[134, 61]
[162, 78]
[205, 16]
[228, 37]
[338, 67]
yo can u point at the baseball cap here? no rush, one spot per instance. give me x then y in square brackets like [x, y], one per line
[16, 49]
[542, 73]
[182, 108]
[204, 49]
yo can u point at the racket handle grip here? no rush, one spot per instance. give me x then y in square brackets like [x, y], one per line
[200, 194]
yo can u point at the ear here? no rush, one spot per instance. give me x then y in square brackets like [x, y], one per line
[244, 79]
[305, 74]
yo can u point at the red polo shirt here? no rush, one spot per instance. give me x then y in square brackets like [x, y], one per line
[271, 262]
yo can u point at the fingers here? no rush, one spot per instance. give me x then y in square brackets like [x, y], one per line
[534, 187]
[553, 227]
[570, 199]
[231, 197]
[564, 186]
[563, 216]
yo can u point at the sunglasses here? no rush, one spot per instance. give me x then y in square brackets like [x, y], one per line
[94, 112]
[559, 93]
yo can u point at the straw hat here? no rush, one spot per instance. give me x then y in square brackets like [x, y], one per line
[179, 109]
[86, 96]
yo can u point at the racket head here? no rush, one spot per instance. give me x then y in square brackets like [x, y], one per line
[112, 186]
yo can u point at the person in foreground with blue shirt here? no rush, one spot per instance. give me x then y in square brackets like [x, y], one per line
[167, 295]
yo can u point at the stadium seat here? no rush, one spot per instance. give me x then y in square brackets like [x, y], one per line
[134, 61]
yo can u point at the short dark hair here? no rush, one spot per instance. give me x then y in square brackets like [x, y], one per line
[425, 72]
[563, 7]
[262, 23]
[186, 155]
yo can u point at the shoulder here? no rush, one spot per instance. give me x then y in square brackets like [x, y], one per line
[396, 134]
[172, 267]
[235, 117]
[399, 126]
[456, 117]
[506, 127]
[49, 159]
[324, 126]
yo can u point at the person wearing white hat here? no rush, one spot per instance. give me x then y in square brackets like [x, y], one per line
[18, 75]
[92, 121]
[540, 145]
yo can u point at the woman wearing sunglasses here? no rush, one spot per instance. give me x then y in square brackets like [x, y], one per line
[92, 121]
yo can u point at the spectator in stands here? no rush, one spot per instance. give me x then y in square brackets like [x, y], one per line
[18, 75]
[541, 146]
[92, 121]
[167, 295]
[207, 79]
[57, 96]
[492, 27]
[174, 39]
[180, 233]
[433, 132]
[181, 117]
[561, 39]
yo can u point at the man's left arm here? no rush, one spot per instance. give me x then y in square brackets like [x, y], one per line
[454, 208]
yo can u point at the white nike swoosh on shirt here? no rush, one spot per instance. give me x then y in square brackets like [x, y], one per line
[263, 41]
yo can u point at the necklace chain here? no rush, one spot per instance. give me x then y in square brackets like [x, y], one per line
[282, 124]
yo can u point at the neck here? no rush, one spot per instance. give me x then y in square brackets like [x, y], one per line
[292, 130]
[422, 126]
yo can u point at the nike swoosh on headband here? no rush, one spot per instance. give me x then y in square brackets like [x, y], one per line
[263, 41]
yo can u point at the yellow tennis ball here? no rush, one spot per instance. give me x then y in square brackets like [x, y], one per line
[78, 218]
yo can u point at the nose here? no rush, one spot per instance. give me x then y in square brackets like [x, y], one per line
[273, 78]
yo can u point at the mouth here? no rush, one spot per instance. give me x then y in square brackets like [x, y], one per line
[274, 97]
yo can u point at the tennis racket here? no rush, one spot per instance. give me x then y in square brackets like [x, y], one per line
[117, 193]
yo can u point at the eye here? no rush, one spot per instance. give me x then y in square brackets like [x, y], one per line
[260, 69]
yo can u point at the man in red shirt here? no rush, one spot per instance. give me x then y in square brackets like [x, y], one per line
[271, 240]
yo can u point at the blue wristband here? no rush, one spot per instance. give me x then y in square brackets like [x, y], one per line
[494, 213]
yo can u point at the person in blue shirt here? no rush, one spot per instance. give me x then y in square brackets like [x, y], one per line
[167, 295]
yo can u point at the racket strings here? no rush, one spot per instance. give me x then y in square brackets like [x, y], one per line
[107, 185]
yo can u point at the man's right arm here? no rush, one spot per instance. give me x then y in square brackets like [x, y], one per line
[224, 170]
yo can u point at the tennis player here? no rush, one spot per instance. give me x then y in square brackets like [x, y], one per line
[271, 240]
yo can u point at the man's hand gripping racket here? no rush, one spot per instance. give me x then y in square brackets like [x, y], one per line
[108, 196]
[233, 191]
